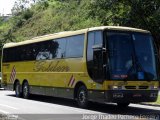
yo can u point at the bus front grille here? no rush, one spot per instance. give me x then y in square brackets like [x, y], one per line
[130, 87]
[136, 87]
[143, 87]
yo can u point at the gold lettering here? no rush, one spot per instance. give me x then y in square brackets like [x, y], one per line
[44, 66]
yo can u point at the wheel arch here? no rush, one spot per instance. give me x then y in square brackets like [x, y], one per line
[78, 84]
[14, 85]
[24, 82]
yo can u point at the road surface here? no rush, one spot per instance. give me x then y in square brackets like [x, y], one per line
[50, 108]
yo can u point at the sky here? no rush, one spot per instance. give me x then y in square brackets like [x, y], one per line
[6, 6]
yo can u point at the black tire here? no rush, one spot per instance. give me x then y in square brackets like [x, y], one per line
[26, 91]
[82, 97]
[122, 105]
[18, 89]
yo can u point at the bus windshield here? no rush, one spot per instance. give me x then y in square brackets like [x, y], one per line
[131, 56]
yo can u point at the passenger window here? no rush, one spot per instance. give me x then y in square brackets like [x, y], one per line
[75, 46]
[64, 47]
[61, 48]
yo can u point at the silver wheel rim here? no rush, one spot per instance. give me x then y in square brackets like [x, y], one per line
[82, 96]
[25, 90]
[17, 90]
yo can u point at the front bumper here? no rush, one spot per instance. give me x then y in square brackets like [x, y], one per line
[131, 96]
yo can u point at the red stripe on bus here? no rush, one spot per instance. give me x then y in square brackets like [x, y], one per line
[70, 80]
[13, 74]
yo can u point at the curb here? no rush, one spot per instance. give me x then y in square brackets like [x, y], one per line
[154, 105]
[2, 89]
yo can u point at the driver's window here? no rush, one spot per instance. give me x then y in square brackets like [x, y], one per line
[94, 56]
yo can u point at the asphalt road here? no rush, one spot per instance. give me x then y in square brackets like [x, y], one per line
[50, 108]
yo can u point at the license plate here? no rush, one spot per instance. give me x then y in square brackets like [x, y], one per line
[137, 95]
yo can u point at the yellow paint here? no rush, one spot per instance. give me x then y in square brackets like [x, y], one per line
[58, 72]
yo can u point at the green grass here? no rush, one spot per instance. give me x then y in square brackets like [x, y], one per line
[154, 103]
[158, 100]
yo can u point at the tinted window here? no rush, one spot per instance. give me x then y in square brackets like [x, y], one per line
[5, 55]
[75, 46]
[94, 59]
[36, 51]
[131, 56]
[61, 48]
[90, 44]
[46, 50]
[120, 53]
[145, 57]
[94, 38]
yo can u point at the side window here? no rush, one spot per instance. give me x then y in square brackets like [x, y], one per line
[51, 49]
[89, 48]
[75, 46]
[98, 38]
[25, 52]
[11, 56]
[46, 50]
[6, 55]
[35, 49]
[61, 48]
[94, 57]
[64, 47]
[94, 38]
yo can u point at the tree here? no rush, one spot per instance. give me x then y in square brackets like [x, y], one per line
[134, 13]
[5, 38]
[20, 6]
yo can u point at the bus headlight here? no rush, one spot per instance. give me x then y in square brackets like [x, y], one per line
[116, 87]
[153, 87]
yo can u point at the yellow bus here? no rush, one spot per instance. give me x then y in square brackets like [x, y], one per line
[100, 64]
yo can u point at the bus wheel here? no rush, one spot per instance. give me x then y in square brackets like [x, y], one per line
[122, 105]
[17, 89]
[26, 90]
[82, 97]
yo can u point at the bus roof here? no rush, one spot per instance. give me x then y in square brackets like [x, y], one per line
[70, 33]
[119, 28]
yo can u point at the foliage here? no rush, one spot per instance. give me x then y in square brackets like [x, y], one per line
[158, 100]
[135, 13]
[157, 103]
[20, 6]
[38, 17]
[145, 14]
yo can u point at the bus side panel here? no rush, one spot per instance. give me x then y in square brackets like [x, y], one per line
[48, 77]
